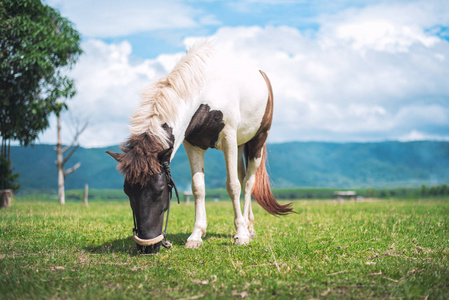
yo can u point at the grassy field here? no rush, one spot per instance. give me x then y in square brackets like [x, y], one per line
[375, 249]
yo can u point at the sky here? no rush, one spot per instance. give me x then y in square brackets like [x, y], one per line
[342, 71]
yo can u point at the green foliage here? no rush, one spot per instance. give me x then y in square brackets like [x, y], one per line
[370, 250]
[304, 193]
[8, 180]
[398, 192]
[441, 190]
[95, 195]
[37, 45]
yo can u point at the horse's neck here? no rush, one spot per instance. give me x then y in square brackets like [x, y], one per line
[186, 112]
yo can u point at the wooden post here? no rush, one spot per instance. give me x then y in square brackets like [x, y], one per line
[187, 195]
[60, 164]
[86, 194]
[5, 198]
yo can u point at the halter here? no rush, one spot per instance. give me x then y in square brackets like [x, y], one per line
[171, 184]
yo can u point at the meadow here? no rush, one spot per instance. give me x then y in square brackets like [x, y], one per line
[390, 248]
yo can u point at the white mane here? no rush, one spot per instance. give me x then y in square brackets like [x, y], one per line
[160, 101]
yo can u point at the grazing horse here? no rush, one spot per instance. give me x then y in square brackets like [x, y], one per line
[207, 101]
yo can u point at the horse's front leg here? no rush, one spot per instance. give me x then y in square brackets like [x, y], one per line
[196, 160]
[230, 149]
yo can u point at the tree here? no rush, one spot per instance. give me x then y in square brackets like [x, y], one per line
[61, 160]
[37, 47]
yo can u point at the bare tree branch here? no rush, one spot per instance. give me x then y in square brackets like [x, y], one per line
[72, 169]
[75, 138]
[67, 157]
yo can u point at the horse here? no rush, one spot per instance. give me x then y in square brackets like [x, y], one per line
[207, 101]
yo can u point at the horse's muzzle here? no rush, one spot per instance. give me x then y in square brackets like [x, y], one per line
[148, 246]
[153, 249]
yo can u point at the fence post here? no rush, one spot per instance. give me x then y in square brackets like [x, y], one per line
[86, 194]
[5, 198]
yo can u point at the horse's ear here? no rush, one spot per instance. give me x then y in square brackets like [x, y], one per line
[115, 155]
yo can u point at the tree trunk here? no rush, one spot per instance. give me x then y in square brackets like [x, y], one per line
[60, 165]
[5, 198]
[61, 160]
[61, 191]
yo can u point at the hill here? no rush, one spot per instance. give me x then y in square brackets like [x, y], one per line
[295, 164]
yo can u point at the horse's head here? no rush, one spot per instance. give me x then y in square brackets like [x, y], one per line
[149, 203]
[148, 185]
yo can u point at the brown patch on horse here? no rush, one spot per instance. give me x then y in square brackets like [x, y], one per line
[205, 127]
[256, 148]
[142, 157]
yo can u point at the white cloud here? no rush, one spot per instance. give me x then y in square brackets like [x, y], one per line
[382, 35]
[108, 86]
[416, 135]
[372, 73]
[338, 89]
[115, 18]
[389, 27]
[375, 70]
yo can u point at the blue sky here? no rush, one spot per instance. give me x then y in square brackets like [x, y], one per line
[341, 70]
[216, 14]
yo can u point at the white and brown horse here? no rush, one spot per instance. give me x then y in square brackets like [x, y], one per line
[207, 101]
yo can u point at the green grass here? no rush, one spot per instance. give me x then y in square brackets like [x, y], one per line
[380, 249]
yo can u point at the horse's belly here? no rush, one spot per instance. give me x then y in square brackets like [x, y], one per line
[249, 126]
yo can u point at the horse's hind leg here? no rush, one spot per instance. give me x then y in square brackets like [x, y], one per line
[247, 210]
[248, 184]
[196, 160]
[230, 149]
[249, 217]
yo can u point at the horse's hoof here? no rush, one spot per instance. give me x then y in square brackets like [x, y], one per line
[241, 241]
[193, 244]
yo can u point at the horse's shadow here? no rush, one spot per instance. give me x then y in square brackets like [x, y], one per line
[128, 246]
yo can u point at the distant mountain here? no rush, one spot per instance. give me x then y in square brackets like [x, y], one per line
[296, 164]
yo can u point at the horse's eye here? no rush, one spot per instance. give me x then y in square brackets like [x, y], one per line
[157, 193]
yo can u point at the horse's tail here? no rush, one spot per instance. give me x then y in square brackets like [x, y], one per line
[262, 192]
